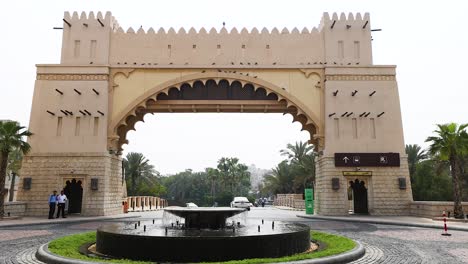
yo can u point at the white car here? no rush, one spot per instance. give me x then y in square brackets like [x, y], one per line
[241, 202]
[191, 205]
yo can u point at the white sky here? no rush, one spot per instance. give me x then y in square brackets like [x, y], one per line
[427, 40]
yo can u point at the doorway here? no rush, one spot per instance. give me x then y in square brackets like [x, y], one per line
[74, 192]
[359, 196]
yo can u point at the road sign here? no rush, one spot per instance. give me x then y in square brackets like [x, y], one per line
[367, 159]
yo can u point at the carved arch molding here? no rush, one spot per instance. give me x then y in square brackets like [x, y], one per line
[210, 94]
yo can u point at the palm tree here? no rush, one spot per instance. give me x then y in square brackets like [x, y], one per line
[280, 180]
[137, 168]
[298, 151]
[302, 159]
[11, 137]
[415, 155]
[451, 144]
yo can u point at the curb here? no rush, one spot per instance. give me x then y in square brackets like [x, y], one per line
[74, 221]
[384, 222]
[43, 254]
[356, 253]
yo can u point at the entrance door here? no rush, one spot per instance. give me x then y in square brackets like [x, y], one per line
[74, 192]
[359, 197]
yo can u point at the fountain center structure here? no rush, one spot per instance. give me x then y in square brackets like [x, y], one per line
[202, 234]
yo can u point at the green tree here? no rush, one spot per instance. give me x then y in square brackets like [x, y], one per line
[302, 161]
[281, 178]
[138, 170]
[431, 182]
[11, 137]
[415, 155]
[451, 144]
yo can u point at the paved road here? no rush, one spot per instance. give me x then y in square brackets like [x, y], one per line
[384, 244]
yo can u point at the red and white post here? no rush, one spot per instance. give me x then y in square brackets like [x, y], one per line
[445, 225]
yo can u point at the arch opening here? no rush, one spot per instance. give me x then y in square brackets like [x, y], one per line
[212, 96]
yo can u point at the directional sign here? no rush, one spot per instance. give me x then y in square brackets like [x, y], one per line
[367, 159]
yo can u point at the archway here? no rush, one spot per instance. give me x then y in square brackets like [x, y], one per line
[74, 192]
[221, 95]
[359, 196]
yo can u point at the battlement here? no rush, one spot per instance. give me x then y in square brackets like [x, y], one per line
[345, 22]
[339, 40]
[90, 19]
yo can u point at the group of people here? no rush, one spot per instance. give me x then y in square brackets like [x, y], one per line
[57, 200]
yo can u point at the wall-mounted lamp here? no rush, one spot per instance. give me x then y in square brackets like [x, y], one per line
[27, 183]
[402, 183]
[94, 184]
[335, 184]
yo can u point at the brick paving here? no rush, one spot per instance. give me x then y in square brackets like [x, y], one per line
[384, 244]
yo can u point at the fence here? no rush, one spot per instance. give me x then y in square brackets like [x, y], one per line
[292, 200]
[145, 203]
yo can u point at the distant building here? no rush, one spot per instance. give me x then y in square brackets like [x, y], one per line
[256, 175]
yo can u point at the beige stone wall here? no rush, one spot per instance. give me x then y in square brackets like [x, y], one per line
[15, 208]
[433, 208]
[384, 195]
[50, 171]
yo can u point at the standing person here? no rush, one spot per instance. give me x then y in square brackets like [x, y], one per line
[52, 204]
[61, 199]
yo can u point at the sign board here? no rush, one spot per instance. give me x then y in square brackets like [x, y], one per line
[309, 201]
[357, 173]
[367, 159]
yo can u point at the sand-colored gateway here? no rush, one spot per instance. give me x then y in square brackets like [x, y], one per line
[108, 79]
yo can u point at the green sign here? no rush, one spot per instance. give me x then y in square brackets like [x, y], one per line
[309, 201]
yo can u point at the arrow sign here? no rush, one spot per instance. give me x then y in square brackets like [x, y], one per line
[387, 159]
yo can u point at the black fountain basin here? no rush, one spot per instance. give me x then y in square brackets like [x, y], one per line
[210, 217]
[192, 245]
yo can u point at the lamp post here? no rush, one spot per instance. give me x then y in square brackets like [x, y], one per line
[12, 187]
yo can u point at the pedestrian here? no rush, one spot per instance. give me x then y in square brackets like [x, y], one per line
[61, 199]
[52, 204]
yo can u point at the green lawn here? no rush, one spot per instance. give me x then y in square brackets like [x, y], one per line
[69, 247]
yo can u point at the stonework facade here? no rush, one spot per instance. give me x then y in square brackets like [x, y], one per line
[109, 79]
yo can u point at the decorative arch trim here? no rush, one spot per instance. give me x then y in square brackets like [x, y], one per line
[129, 116]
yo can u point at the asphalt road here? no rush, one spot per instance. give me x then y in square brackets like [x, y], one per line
[384, 243]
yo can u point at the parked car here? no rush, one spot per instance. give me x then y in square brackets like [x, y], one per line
[241, 202]
[191, 205]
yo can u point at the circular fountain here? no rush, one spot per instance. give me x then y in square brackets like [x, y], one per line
[202, 234]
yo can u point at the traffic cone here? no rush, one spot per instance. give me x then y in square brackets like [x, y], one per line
[445, 226]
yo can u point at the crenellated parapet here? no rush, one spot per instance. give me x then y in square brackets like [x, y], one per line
[98, 39]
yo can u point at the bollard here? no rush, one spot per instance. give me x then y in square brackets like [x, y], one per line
[153, 221]
[166, 230]
[144, 228]
[445, 226]
[135, 225]
[273, 225]
[259, 228]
